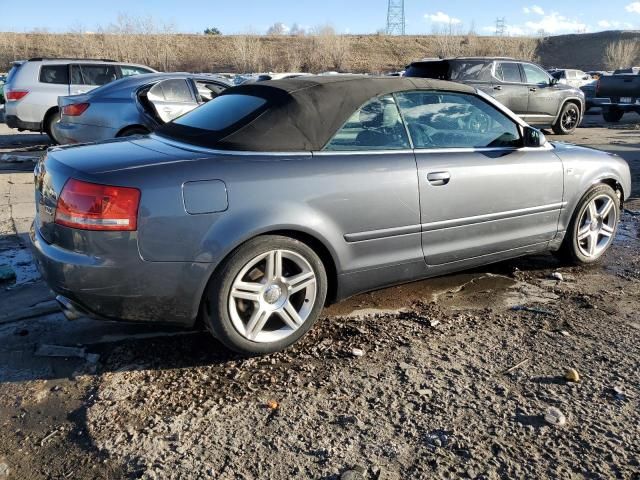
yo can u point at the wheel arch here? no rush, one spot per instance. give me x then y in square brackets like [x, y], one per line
[130, 127]
[312, 241]
[47, 115]
[616, 185]
[576, 101]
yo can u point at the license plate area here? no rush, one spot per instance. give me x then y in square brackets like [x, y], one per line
[626, 100]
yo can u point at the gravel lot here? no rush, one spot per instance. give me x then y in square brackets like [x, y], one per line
[446, 378]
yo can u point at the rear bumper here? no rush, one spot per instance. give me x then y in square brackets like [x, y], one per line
[128, 289]
[13, 121]
[68, 133]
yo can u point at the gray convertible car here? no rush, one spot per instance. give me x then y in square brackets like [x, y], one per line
[254, 211]
[132, 106]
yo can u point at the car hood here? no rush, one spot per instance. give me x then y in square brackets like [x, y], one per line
[120, 154]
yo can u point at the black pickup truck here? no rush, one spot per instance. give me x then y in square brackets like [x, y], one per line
[623, 90]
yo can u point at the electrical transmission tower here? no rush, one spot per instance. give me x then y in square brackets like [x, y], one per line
[501, 27]
[395, 17]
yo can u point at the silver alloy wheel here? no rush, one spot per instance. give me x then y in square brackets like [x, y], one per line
[272, 296]
[597, 225]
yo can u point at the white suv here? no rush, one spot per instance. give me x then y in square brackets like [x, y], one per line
[33, 87]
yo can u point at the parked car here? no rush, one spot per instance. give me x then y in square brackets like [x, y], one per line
[623, 92]
[133, 105]
[258, 208]
[523, 87]
[33, 87]
[571, 77]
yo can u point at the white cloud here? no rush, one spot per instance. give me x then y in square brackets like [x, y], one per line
[633, 7]
[556, 23]
[614, 24]
[441, 17]
[533, 9]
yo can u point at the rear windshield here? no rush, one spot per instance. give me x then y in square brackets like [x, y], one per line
[215, 119]
[13, 71]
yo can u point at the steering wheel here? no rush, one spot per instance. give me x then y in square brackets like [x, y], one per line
[479, 123]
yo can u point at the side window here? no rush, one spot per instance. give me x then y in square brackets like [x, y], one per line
[535, 74]
[98, 74]
[128, 70]
[377, 125]
[208, 90]
[174, 91]
[76, 75]
[508, 72]
[455, 120]
[57, 74]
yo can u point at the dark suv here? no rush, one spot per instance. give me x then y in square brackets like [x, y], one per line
[523, 87]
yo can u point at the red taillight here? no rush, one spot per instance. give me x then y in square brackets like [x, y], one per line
[14, 95]
[74, 109]
[89, 206]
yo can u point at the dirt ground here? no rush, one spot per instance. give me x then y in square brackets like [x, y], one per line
[454, 381]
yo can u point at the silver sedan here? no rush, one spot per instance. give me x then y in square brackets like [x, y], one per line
[254, 211]
[133, 105]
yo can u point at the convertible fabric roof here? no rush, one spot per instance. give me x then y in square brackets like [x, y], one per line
[306, 112]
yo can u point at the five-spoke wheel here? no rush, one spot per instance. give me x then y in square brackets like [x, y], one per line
[593, 226]
[266, 295]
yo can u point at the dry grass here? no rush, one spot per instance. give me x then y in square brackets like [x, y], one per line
[319, 51]
[621, 54]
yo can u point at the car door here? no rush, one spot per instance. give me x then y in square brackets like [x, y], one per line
[544, 97]
[480, 192]
[367, 174]
[508, 87]
[171, 98]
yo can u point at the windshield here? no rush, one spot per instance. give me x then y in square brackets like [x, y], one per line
[215, 119]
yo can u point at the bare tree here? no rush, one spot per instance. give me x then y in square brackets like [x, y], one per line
[297, 30]
[621, 54]
[247, 53]
[278, 28]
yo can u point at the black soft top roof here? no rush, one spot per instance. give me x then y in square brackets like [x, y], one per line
[304, 113]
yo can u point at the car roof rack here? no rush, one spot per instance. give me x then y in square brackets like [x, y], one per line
[40, 59]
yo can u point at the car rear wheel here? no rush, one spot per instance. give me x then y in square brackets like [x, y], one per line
[49, 123]
[593, 226]
[266, 295]
[568, 120]
[612, 115]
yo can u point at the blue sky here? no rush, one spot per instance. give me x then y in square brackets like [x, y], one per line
[347, 16]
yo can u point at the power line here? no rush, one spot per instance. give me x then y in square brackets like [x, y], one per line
[395, 18]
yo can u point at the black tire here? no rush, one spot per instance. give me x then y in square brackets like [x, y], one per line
[568, 120]
[612, 115]
[128, 132]
[216, 311]
[570, 251]
[49, 122]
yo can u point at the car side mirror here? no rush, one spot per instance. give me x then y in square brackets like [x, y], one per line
[533, 137]
[553, 81]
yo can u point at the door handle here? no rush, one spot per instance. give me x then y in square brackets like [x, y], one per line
[498, 87]
[438, 179]
[533, 89]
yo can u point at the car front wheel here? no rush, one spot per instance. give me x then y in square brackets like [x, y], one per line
[568, 120]
[593, 226]
[49, 125]
[266, 295]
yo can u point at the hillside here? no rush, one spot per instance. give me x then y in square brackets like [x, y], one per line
[357, 53]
